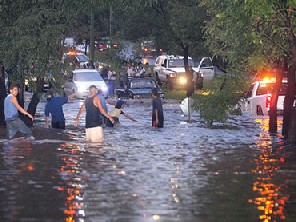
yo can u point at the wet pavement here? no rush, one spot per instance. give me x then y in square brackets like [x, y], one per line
[183, 172]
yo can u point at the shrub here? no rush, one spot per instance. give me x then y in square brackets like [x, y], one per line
[216, 103]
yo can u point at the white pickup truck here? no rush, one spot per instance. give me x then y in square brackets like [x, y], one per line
[259, 97]
[170, 69]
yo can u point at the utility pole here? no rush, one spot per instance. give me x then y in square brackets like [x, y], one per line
[91, 41]
[110, 22]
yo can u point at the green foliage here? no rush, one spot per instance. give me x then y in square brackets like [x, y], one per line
[111, 58]
[216, 103]
[249, 34]
[174, 94]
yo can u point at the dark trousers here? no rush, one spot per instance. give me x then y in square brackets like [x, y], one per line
[110, 124]
[58, 125]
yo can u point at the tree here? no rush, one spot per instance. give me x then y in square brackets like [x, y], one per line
[252, 34]
[31, 34]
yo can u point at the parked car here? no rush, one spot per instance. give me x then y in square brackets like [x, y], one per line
[77, 59]
[258, 98]
[171, 71]
[81, 79]
[139, 88]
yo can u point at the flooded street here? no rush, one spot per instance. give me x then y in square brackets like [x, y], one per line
[182, 172]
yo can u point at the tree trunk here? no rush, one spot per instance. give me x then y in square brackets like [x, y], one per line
[186, 55]
[273, 103]
[292, 128]
[34, 102]
[290, 96]
[2, 94]
[288, 102]
[31, 109]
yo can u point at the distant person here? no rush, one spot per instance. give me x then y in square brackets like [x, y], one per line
[116, 112]
[148, 70]
[104, 105]
[157, 111]
[54, 106]
[13, 122]
[93, 122]
[130, 71]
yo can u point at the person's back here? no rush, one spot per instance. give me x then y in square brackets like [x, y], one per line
[55, 108]
[93, 114]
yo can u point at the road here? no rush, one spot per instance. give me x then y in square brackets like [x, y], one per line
[183, 172]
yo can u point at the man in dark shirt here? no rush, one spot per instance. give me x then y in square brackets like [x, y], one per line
[54, 106]
[157, 111]
[93, 122]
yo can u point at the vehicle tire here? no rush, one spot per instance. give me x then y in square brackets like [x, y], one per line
[131, 96]
[259, 110]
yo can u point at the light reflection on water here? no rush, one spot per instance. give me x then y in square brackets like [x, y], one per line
[271, 193]
[183, 172]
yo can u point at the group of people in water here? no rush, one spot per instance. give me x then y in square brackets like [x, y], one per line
[96, 117]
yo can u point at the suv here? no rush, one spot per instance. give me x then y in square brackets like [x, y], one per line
[170, 70]
[258, 98]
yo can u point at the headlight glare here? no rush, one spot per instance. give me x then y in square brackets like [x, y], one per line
[183, 80]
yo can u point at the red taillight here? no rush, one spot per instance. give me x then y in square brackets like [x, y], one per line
[268, 101]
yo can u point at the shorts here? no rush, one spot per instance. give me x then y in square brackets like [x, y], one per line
[94, 134]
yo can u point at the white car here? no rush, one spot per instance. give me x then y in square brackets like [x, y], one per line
[259, 97]
[82, 79]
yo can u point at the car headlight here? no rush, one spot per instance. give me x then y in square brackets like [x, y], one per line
[183, 80]
[173, 74]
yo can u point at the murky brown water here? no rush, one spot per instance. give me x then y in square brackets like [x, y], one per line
[183, 172]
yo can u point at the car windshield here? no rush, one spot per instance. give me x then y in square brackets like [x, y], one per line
[175, 63]
[266, 88]
[82, 58]
[87, 76]
[141, 83]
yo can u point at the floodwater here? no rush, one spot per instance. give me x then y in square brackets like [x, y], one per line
[183, 172]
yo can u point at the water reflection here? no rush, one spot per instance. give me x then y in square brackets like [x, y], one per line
[183, 172]
[70, 172]
[270, 189]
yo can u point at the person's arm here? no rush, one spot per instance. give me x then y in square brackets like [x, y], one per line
[19, 108]
[81, 110]
[46, 121]
[110, 102]
[98, 104]
[156, 116]
[131, 118]
[72, 96]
